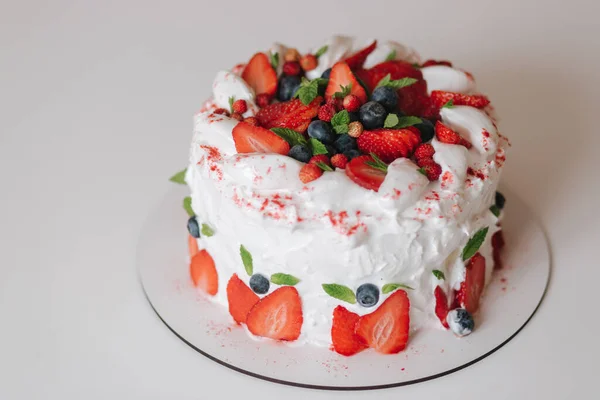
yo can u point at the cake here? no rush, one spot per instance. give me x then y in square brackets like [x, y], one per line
[346, 197]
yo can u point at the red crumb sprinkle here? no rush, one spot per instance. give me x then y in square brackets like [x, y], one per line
[269, 170]
[340, 222]
[477, 173]
[397, 194]
[503, 280]
[412, 186]
[264, 205]
[213, 153]
[486, 133]
[433, 197]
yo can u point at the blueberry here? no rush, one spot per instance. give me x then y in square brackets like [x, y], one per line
[321, 131]
[460, 322]
[427, 130]
[259, 283]
[353, 116]
[301, 153]
[193, 227]
[326, 73]
[287, 86]
[331, 151]
[386, 96]
[344, 143]
[372, 115]
[367, 295]
[350, 154]
[500, 200]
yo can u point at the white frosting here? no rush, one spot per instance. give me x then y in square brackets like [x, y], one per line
[441, 77]
[333, 231]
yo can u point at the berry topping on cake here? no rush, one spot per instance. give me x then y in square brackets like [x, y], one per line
[424, 150]
[255, 139]
[278, 315]
[372, 115]
[363, 171]
[309, 62]
[341, 77]
[355, 129]
[430, 169]
[339, 161]
[461, 322]
[345, 143]
[310, 172]
[326, 112]
[367, 295]
[387, 97]
[259, 284]
[320, 158]
[441, 305]
[426, 129]
[470, 290]
[260, 75]
[447, 135]
[240, 106]
[389, 144]
[439, 98]
[263, 99]
[301, 153]
[193, 227]
[287, 87]
[204, 273]
[292, 68]
[343, 337]
[290, 114]
[386, 329]
[321, 131]
[241, 299]
[357, 60]
[351, 103]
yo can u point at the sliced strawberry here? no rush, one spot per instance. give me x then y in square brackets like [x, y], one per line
[363, 174]
[389, 144]
[441, 305]
[474, 283]
[204, 273]
[192, 246]
[345, 341]
[342, 76]
[254, 139]
[260, 75]
[386, 329]
[445, 134]
[289, 114]
[439, 98]
[497, 246]
[357, 60]
[241, 299]
[278, 315]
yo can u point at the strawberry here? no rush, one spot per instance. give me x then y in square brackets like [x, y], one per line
[289, 114]
[326, 112]
[343, 337]
[291, 68]
[470, 290]
[342, 76]
[254, 139]
[263, 99]
[351, 103]
[439, 98]
[441, 305]
[336, 102]
[364, 174]
[237, 116]
[320, 158]
[310, 172]
[422, 162]
[277, 316]
[309, 62]
[498, 244]
[445, 134]
[432, 171]
[260, 75]
[430, 63]
[192, 246]
[465, 142]
[389, 144]
[386, 329]
[339, 161]
[240, 106]
[355, 129]
[204, 273]
[252, 121]
[241, 299]
[424, 150]
[357, 60]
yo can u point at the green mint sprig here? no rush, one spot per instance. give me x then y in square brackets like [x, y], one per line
[284, 279]
[340, 122]
[377, 163]
[324, 166]
[345, 91]
[390, 287]
[449, 104]
[393, 121]
[474, 243]
[246, 260]
[187, 206]
[207, 230]
[231, 101]
[340, 292]
[495, 210]
[290, 136]
[317, 147]
[274, 59]
[438, 274]
[309, 90]
[322, 50]
[391, 56]
[387, 81]
[179, 177]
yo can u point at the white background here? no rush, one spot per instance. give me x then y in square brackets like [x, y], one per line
[96, 100]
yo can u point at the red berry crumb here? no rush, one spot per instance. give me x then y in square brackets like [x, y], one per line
[240, 106]
[425, 150]
[351, 103]
[339, 161]
[310, 172]
[221, 111]
[309, 62]
[320, 158]
[326, 112]
[291, 68]
[433, 171]
[252, 121]
[263, 100]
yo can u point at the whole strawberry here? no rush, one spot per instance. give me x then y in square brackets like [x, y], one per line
[339, 161]
[263, 100]
[240, 106]
[310, 172]
[351, 103]
[291, 68]
[424, 150]
[326, 112]
[309, 62]
[432, 171]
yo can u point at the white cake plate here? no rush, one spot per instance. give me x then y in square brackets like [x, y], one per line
[509, 303]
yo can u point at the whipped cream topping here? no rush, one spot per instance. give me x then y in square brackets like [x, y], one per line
[333, 231]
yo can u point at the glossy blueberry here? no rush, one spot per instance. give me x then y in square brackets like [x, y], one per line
[326, 73]
[367, 295]
[301, 153]
[344, 143]
[321, 131]
[500, 200]
[353, 116]
[386, 96]
[350, 154]
[372, 115]
[427, 130]
[460, 321]
[259, 283]
[287, 86]
[193, 227]
[331, 151]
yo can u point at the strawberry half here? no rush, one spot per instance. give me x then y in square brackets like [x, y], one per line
[254, 139]
[386, 329]
[192, 246]
[441, 305]
[363, 174]
[203, 273]
[470, 290]
[341, 75]
[278, 315]
[289, 114]
[389, 144]
[241, 299]
[345, 341]
[439, 98]
[357, 60]
[445, 134]
[260, 75]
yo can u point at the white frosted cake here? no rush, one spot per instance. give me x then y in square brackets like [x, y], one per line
[345, 197]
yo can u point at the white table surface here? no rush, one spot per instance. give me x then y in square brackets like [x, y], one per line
[95, 114]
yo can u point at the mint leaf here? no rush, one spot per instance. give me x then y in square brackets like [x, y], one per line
[231, 101]
[290, 136]
[474, 244]
[179, 177]
[416, 65]
[438, 274]
[308, 90]
[340, 122]
[344, 92]
[422, 170]
[377, 163]
[246, 260]
[317, 147]
[449, 104]
[387, 81]
[390, 287]
[324, 166]
[207, 230]
[406, 121]
[187, 205]
[391, 55]
[495, 210]
[274, 58]
[321, 51]
[340, 129]
[284, 279]
[340, 292]
[391, 121]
